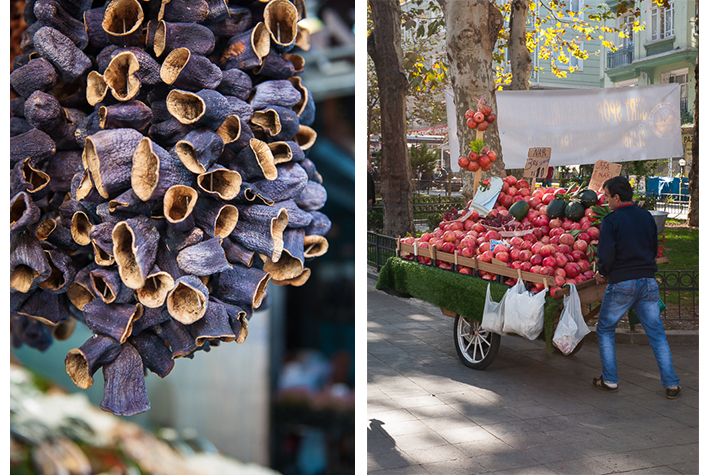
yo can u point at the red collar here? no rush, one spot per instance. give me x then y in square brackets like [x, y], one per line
[624, 205]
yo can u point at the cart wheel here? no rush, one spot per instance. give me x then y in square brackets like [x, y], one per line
[476, 348]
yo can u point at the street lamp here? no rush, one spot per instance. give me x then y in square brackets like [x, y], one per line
[681, 164]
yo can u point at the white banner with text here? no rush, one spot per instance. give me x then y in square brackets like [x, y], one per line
[585, 125]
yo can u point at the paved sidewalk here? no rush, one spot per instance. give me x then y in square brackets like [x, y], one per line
[527, 413]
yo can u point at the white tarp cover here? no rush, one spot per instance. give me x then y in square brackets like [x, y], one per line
[585, 125]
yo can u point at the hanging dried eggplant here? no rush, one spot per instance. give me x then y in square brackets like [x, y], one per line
[159, 180]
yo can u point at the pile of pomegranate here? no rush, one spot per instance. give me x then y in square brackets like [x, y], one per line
[560, 247]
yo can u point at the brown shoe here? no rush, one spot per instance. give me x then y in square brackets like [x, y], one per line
[599, 383]
[673, 392]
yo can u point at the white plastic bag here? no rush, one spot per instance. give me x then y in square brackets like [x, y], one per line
[524, 312]
[572, 327]
[492, 314]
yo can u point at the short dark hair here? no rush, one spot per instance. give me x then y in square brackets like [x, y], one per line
[619, 185]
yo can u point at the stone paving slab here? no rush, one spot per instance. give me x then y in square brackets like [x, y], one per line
[528, 413]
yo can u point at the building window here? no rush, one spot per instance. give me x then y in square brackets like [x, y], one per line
[661, 22]
[626, 24]
[679, 76]
[575, 6]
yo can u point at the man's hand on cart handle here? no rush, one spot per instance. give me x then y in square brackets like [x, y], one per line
[600, 280]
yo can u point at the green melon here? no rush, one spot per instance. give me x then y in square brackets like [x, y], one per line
[588, 198]
[556, 208]
[519, 210]
[574, 211]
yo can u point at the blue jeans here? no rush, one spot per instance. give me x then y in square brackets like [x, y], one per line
[642, 295]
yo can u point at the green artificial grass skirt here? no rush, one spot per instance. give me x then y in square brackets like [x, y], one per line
[459, 293]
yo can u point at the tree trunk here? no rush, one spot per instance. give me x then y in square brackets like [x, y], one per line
[472, 27]
[693, 175]
[384, 46]
[520, 62]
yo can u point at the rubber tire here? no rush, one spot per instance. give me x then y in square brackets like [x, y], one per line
[492, 338]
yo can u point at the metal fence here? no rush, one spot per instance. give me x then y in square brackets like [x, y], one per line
[678, 289]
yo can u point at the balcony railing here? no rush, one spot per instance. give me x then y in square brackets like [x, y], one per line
[621, 57]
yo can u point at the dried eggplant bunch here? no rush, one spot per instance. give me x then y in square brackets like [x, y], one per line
[159, 179]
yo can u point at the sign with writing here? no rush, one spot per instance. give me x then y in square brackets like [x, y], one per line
[688, 143]
[602, 172]
[585, 125]
[537, 163]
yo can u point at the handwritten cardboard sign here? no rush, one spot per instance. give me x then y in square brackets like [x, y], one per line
[537, 163]
[603, 170]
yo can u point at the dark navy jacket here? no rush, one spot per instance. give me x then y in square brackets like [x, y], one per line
[628, 245]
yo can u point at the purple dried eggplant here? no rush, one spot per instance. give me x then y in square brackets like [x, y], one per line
[155, 290]
[235, 82]
[281, 20]
[246, 50]
[93, 18]
[128, 202]
[310, 168]
[186, 11]
[249, 194]
[199, 149]
[89, 126]
[115, 320]
[276, 92]
[19, 126]
[260, 228]
[155, 170]
[49, 308]
[135, 243]
[107, 284]
[235, 133]
[154, 352]
[80, 291]
[178, 203]
[28, 263]
[121, 78]
[23, 213]
[35, 144]
[64, 330]
[62, 272]
[297, 281]
[97, 88]
[240, 108]
[279, 123]
[69, 61]
[25, 178]
[81, 363]
[214, 217]
[313, 197]
[131, 114]
[255, 162]
[241, 285]
[306, 106]
[181, 341]
[124, 384]
[187, 302]
[220, 182]
[169, 132]
[51, 13]
[53, 232]
[122, 22]
[213, 326]
[275, 66]
[290, 182]
[203, 259]
[320, 225]
[37, 75]
[305, 137]
[297, 218]
[236, 253]
[239, 20]
[108, 155]
[170, 36]
[314, 246]
[61, 168]
[206, 108]
[44, 112]
[148, 68]
[290, 264]
[189, 71]
[83, 188]
[150, 318]
[237, 320]
[286, 151]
